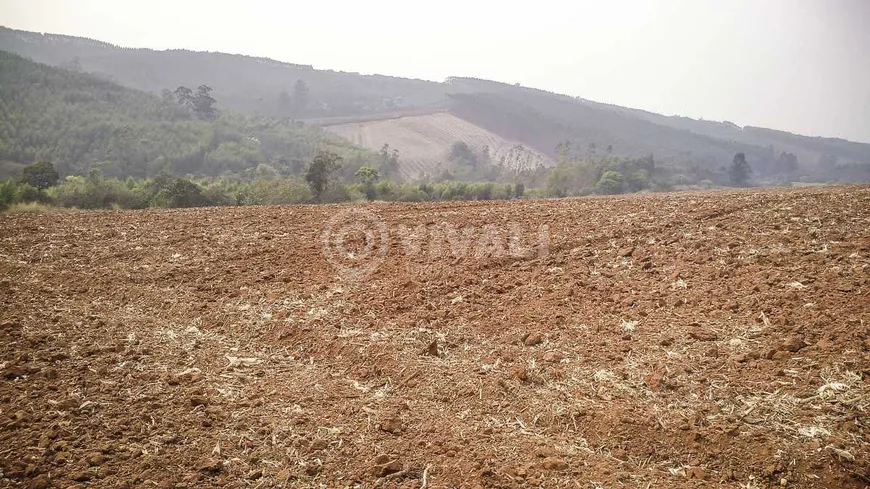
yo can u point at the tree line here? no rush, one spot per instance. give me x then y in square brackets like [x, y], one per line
[321, 182]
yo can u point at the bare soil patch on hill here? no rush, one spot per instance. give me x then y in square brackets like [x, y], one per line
[424, 142]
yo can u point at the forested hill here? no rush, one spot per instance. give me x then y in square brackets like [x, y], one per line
[242, 83]
[557, 126]
[80, 121]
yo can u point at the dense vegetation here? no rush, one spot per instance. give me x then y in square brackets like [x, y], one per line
[321, 182]
[81, 122]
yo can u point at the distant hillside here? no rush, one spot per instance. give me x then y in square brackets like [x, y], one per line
[553, 125]
[544, 120]
[81, 122]
[851, 152]
[242, 83]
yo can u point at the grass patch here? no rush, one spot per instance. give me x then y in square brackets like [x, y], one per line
[35, 208]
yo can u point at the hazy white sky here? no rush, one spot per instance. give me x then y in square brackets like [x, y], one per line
[797, 65]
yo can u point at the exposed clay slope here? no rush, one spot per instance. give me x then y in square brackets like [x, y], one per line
[425, 141]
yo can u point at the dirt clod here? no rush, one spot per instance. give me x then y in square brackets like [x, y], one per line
[40, 482]
[703, 335]
[533, 339]
[381, 459]
[392, 425]
[553, 357]
[198, 401]
[697, 473]
[432, 349]
[388, 468]
[794, 344]
[518, 372]
[554, 463]
[13, 372]
[80, 476]
[209, 465]
[655, 380]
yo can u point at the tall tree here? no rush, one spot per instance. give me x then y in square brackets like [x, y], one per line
[285, 103]
[320, 171]
[300, 96]
[40, 175]
[739, 171]
[368, 177]
[183, 96]
[786, 164]
[389, 165]
[563, 149]
[203, 104]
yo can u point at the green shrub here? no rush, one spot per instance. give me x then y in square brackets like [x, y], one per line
[7, 194]
[610, 183]
[638, 180]
[95, 192]
[273, 192]
[413, 195]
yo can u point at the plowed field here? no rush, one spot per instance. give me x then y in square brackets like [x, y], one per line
[676, 340]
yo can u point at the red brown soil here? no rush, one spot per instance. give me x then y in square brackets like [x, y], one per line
[684, 340]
